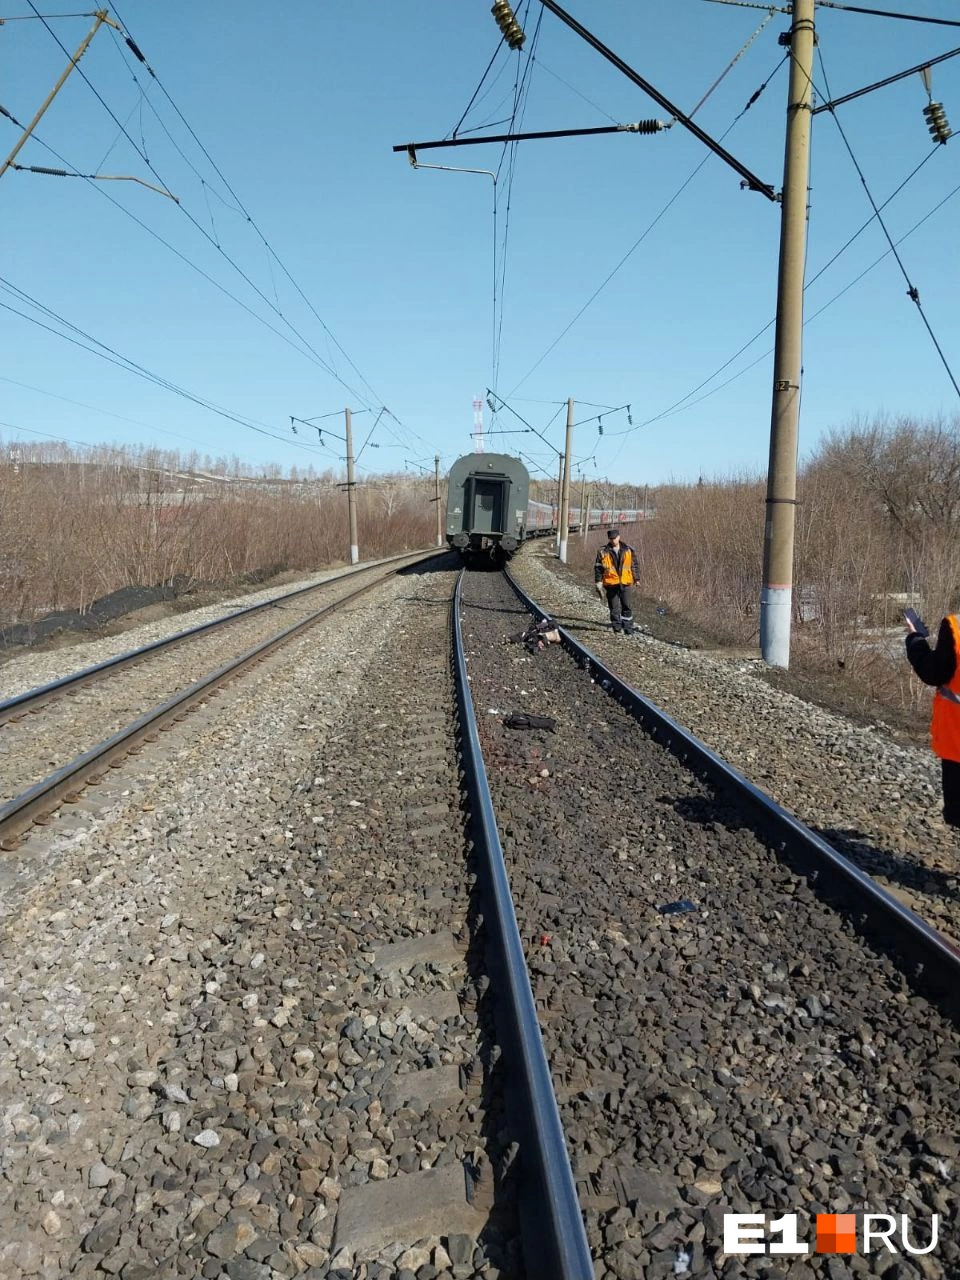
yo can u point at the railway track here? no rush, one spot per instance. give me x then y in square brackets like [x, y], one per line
[870, 797]
[66, 719]
[334, 1056]
[729, 1026]
[306, 1074]
[30, 700]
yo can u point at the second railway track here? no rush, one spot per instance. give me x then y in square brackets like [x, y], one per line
[90, 718]
[248, 1033]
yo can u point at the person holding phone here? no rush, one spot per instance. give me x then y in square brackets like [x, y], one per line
[939, 667]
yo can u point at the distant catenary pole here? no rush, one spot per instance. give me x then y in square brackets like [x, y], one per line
[436, 498]
[351, 490]
[565, 488]
[556, 508]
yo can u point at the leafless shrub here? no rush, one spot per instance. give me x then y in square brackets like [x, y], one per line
[877, 527]
[76, 527]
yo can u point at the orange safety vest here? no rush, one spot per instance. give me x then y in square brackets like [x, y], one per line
[610, 576]
[945, 724]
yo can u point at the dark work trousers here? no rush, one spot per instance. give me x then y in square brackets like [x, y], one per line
[620, 604]
[950, 773]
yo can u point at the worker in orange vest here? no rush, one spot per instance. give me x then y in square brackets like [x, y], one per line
[614, 574]
[939, 667]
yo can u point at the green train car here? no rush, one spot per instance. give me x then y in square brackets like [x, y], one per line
[487, 497]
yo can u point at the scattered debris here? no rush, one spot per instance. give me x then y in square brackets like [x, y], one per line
[522, 720]
[676, 908]
[538, 635]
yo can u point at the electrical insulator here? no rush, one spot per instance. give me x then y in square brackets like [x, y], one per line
[645, 126]
[936, 119]
[506, 20]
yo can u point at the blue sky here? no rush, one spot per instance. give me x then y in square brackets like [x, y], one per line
[299, 105]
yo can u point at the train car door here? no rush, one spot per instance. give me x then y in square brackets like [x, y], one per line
[489, 504]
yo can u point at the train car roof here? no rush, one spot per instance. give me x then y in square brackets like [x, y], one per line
[502, 462]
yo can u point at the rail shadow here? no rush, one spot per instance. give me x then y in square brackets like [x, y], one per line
[902, 869]
[709, 812]
[443, 562]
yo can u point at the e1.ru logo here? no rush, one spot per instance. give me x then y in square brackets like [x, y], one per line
[836, 1233]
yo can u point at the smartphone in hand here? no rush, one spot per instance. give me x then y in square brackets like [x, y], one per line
[914, 619]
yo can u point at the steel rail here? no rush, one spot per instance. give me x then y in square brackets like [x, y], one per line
[933, 961]
[46, 795]
[32, 699]
[555, 1242]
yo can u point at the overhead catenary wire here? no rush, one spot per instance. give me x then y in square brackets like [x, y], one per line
[199, 227]
[681, 403]
[93, 89]
[686, 403]
[81, 404]
[480, 94]
[145, 98]
[886, 253]
[521, 96]
[306, 347]
[912, 292]
[80, 444]
[889, 13]
[141, 150]
[573, 89]
[120, 132]
[594, 417]
[139, 55]
[177, 252]
[658, 217]
[369, 436]
[118, 456]
[529, 425]
[109, 354]
[466, 111]
[33, 17]
[550, 476]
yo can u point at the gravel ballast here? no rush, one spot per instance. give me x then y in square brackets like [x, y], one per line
[740, 1051]
[207, 1040]
[80, 718]
[874, 800]
[27, 669]
[201, 1017]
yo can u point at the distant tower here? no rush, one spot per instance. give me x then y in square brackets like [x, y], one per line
[478, 425]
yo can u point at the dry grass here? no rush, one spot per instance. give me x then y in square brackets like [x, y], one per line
[74, 529]
[878, 520]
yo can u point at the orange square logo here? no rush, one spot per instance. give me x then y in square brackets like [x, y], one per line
[836, 1233]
